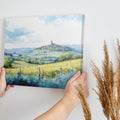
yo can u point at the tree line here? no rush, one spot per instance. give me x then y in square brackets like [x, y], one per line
[63, 57]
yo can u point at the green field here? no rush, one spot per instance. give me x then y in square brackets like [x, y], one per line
[52, 66]
[27, 68]
[46, 75]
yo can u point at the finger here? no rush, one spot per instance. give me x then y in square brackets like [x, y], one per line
[83, 76]
[75, 76]
[0, 69]
[3, 73]
[7, 88]
[1, 95]
[82, 79]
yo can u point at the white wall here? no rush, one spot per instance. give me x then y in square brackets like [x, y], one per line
[101, 23]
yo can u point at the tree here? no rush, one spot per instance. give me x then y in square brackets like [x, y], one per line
[75, 57]
[65, 56]
[34, 61]
[27, 60]
[7, 63]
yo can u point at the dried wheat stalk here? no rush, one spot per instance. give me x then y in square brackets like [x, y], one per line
[108, 84]
[86, 110]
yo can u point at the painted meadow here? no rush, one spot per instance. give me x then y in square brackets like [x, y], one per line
[43, 51]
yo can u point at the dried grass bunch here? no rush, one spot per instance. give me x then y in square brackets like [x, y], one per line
[108, 84]
[86, 110]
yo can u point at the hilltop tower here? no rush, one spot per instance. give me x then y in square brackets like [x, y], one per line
[52, 43]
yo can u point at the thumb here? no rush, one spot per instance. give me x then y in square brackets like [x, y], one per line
[3, 73]
[2, 81]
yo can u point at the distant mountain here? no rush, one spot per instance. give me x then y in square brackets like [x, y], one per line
[74, 46]
[51, 47]
[48, 53]
[55, 47]
[18, 50]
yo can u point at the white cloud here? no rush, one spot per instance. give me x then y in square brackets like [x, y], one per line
[60, 31]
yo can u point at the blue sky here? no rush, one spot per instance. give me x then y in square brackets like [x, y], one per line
[14, 34]
[24, 32]
[51, 19]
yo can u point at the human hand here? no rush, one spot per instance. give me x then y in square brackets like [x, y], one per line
[71, 93]
[3, 86]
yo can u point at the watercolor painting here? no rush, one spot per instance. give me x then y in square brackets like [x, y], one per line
[44, 51]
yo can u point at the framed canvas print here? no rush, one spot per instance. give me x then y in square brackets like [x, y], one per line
[43, 51]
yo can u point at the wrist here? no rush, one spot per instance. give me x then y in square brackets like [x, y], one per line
[73, 102]
[67, 105]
